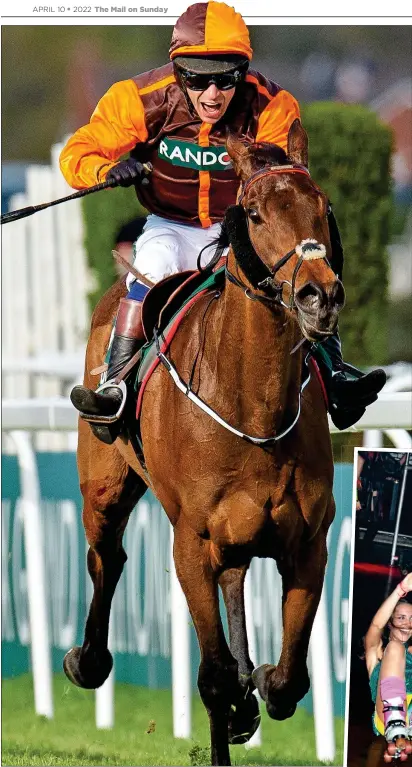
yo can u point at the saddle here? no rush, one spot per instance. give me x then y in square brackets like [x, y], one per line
[166, 297]
[162, 312]
[159, 306]
[161, 326]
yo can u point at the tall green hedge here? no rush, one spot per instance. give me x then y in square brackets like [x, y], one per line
[349, 157]
[349, 152]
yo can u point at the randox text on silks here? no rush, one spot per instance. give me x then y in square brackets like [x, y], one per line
[190, 155]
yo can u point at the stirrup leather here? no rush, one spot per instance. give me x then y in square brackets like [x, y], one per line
[108, 418]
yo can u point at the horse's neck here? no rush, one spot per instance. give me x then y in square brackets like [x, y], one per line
[255, 371]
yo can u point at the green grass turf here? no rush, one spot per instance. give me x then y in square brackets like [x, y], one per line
[71, 738]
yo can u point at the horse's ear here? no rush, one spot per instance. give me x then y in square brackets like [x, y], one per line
[238, 153]
[298, 143]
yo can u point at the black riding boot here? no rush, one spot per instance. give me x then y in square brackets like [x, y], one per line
[103, 408]
[348, 396]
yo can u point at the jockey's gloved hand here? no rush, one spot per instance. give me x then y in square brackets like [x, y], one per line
[127, 173]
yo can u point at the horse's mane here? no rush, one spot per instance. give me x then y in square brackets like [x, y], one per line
[260, 154]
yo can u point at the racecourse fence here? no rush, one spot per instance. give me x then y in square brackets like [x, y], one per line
[45, 281]
[142, 631]
[141, 637]
[144, 609]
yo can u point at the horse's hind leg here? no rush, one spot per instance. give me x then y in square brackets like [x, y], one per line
[110, 489]
[244, 715]
[218, 678]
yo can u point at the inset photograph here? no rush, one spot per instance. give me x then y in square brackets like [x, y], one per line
[379, 716]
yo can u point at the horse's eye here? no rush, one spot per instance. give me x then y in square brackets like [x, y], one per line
[253, 215]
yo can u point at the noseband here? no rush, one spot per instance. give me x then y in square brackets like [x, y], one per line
[258, 273]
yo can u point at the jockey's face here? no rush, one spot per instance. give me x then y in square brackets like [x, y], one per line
[212, 103]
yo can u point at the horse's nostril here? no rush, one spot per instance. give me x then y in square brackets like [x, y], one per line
[337, 294]
[309, 296]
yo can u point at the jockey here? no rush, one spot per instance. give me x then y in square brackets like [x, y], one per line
[176, 118]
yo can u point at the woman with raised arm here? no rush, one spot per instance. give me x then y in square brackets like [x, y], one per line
[388, 656]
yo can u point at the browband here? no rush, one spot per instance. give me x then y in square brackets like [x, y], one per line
[271, 170]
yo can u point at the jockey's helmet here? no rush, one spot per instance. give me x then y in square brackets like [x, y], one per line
[210, 39]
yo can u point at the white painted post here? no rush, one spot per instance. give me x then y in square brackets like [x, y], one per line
[16, 330]
[180, 628]
[36, 579]
[43, 254]
[256, 739]
[71, 256]
[104, 699]
[372, 439]
[322, 684]
[104, 696]
[16, 327]
[400, 438]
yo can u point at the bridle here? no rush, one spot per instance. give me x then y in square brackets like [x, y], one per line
[258, 273]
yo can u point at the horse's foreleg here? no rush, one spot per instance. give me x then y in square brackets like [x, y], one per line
[232, 582]
[218, 676]
[108, 500]
[244, 716]
[282, 686]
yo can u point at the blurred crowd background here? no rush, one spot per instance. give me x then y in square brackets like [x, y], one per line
[53, 85]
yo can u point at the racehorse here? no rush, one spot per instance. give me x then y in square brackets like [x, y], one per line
[263, 488]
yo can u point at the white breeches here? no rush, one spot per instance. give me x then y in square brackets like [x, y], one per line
[166, 247]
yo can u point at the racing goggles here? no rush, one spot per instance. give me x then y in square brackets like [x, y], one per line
[200, 82]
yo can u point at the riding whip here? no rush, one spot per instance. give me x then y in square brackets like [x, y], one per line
[15, 215]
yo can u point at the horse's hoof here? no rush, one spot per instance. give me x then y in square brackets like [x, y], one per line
[244, 719]
[280, 695]
[280, 712]
[260, 679]
[87, 670]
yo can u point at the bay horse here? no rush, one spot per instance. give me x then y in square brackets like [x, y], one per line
[230, 498]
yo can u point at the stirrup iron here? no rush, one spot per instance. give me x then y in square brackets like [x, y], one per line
[107, 419]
